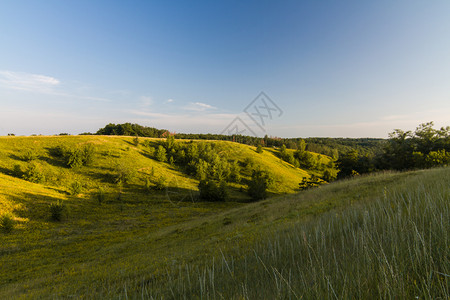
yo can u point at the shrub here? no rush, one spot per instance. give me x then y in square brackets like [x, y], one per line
[74, 158]
[161, 154]
[259, 184]
[329, 175]
[148, 184]
[33, 174]
[210, 191]
[79, 156]
[161, 183]
[75, 188]
[30, 155]
[59, 151]
[17, 171]
[259, 149]
[136, 140]
[88, 154]
[7, 222]
[57, 210]
[124, 174]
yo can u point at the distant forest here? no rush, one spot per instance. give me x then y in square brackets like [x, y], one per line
[327, 146]
[425, 147]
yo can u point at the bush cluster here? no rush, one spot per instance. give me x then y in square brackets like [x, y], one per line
[75, 157]
[32, 173]
[260, 182]
[57, 210]
[212, 191]
[7, 222]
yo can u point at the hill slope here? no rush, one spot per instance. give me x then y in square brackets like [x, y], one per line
[136, 243]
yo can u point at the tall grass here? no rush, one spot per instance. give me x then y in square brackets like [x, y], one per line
[395, 247]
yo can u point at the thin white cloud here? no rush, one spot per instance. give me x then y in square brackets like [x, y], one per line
[28, 82]
[199, 106]
[40, 84]
[169, 100]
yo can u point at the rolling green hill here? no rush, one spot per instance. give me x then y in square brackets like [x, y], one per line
[141, 243]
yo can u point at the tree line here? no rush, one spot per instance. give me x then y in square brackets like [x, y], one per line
[423, 148]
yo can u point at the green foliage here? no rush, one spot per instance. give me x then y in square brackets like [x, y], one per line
[7, 222]
[201, 169]
[235, 172]
[260, 182]
[161, 183]
[259, 149]
[123, 173]
[57, 210]
[30, 154]
[76, 157]
[75, 188]
[170, 143]
[437, 158]
[211, 191]
[59, 151]
[161, 154]
[308, 183]
[131, 130]
[301, 146]
[17, 171]
[33, 173]
[88, 154]
[148, 185]
[330, 175]
[425, 147]
[136, 140]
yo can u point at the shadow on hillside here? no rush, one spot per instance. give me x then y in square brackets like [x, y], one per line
[52, 160]
[6, 171]
[16, 157]
[130, 143]
[146, 155]
[102, 174]
[33, 206]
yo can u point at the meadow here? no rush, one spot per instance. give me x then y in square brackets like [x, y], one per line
[377, 236]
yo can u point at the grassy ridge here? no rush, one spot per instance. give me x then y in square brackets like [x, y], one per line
[395, 246]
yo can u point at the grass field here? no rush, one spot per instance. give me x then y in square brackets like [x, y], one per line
[384, 235]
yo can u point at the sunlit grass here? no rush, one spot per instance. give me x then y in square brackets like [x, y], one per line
[394, 246]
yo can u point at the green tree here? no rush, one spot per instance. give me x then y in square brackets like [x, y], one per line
[259, 149]
[235, 172]
[211, 191]
[201, 169]
[301, 146]
[136, 140]
[260, 182]
[161, 154]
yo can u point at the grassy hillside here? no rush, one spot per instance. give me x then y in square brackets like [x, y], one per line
[114, 152]
[166, 244]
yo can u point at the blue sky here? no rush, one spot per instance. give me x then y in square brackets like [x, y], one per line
[334, 68]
